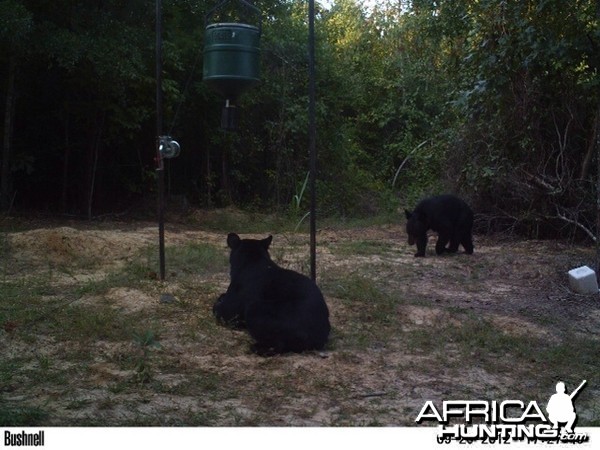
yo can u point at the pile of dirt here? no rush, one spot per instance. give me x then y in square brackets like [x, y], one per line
[66, 245]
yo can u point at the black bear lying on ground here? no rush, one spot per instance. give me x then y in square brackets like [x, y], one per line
[447, 215]
[283, 311]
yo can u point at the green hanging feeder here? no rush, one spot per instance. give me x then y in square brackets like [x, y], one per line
[232, 57]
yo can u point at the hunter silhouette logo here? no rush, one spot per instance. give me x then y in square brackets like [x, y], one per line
[560, 407]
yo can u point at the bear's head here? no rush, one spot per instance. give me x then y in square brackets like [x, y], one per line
[414, 226]
[247, 253]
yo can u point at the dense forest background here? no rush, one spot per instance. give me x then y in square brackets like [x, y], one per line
[496, 100]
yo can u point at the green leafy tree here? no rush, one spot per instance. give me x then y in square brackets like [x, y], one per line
[528, 109]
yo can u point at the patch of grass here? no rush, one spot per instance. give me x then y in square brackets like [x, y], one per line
[361, 248]
[44, 368]
[21, 416]
[473, 341]
[5, 253]
[9, 369]
[346, 223]
[210, 385]
[574, 356]
[81, 403]
[21, 300]
[231, 220]
[188, 260]
[372, 303]
[372, 316]
[84, 323]
[475, 334]
[472, 337]
[422, 340]
[197, 258]
[26, 312]
[481, 340]
[203, 418]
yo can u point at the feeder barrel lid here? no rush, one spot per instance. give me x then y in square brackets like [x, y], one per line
[231, 24]
[245, 4]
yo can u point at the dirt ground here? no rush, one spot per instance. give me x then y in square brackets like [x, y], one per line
[89, 338]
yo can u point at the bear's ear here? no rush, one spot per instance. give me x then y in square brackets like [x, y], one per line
[233, 240]
[267, 242]
[408, 213]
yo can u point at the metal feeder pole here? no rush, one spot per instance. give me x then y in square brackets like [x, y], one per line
[312, 138]
[160, 170]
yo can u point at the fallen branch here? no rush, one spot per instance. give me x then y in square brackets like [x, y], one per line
[577, 224]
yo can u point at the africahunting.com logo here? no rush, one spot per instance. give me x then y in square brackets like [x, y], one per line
[510, 420]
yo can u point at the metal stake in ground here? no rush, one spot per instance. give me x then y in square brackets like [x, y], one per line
[166, 147]
[160, 170]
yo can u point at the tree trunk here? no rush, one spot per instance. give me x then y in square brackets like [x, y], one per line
[587, 160]
[208, 180]
[225, 193]
[9, 112]
[92, 183]
[65, 176]
[93, 154]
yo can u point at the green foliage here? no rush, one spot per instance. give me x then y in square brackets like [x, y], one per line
[145, 341]
[525, 108]
[504, 93]
[300, 195]
[16, 23]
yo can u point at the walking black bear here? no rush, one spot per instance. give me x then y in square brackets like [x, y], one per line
[283, 311]
[447, 215]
